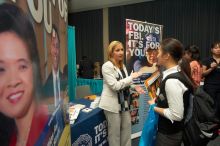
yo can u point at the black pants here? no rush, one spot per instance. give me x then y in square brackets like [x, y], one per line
[214, 92]
[169, 139]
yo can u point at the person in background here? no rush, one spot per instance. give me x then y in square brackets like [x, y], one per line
[52, 86]
[97, 70]
[171, 104]
[115, 96]
[211, 72]
[77, 70]
[20, 79]
[86, 67]
[193, 55]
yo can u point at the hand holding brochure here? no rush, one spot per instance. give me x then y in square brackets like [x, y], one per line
[152, 83]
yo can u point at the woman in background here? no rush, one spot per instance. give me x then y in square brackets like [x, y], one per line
[171, 103]
[20, 80]
[115, 96]
[211, 72]
[193, 55]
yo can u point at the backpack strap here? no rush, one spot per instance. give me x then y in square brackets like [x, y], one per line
[181, 77]
[187, 97]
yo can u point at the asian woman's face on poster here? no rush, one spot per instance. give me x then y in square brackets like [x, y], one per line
[16, 76]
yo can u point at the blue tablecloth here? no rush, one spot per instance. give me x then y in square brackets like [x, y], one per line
[90, 129]
[95, 84]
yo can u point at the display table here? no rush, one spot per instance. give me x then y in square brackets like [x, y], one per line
[95, 84]
[89, 128]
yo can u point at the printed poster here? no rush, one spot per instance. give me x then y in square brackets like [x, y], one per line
[142, 42]
[39, 98]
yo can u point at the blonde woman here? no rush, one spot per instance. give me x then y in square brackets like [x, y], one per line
[115, 96]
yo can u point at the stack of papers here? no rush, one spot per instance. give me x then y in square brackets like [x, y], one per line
[79, 106]
[74, 112]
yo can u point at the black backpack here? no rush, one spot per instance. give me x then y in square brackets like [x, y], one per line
[200, 122]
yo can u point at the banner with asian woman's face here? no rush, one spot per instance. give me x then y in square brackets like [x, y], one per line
[36, 92]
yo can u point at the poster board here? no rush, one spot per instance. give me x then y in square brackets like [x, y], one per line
[142, 42]
[49, 123]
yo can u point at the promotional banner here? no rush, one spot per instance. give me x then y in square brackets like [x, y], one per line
[33, 56]
[142, 42]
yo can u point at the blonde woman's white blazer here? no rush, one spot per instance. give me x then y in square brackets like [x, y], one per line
[109, 96]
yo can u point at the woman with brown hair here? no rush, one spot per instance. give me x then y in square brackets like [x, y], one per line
[193, 55]
[175, 88]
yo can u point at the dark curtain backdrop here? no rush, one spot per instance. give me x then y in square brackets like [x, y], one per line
[191, 21]
[89, 34]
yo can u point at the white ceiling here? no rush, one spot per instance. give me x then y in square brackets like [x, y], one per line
[85, 5]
